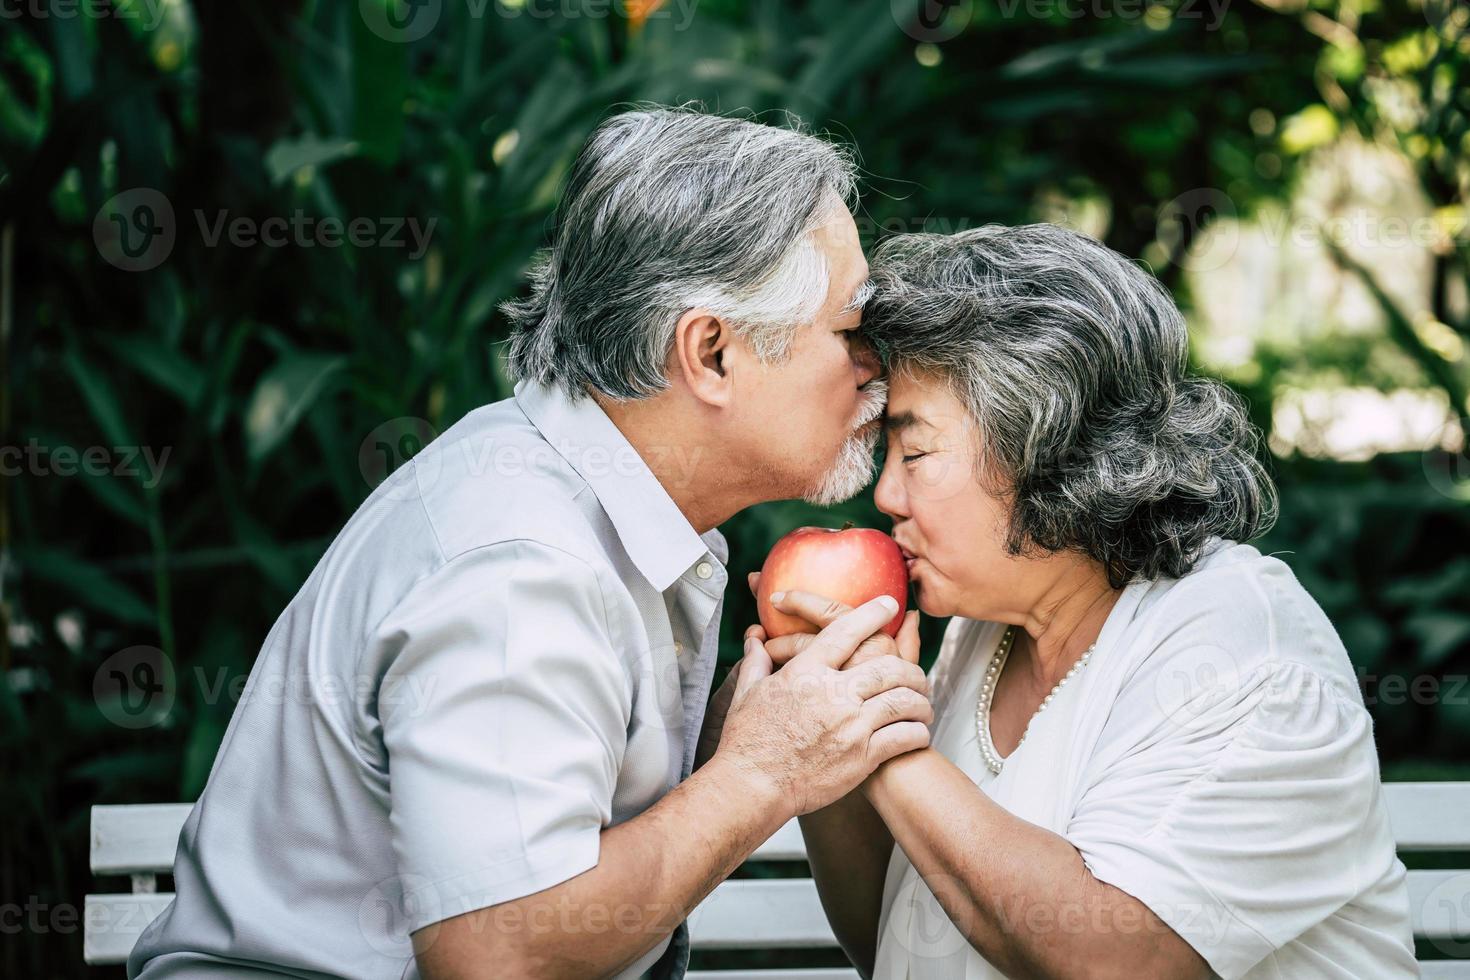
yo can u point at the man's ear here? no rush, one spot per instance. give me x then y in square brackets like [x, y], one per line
[701, 353]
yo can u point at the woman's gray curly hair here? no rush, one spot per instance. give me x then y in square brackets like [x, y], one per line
[1072, 362]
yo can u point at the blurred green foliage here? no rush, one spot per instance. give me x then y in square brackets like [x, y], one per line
[272, 386]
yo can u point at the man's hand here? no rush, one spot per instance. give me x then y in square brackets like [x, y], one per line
[714, 716]
[816, 731]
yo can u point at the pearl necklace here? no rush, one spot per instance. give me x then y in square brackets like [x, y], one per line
[992, 758]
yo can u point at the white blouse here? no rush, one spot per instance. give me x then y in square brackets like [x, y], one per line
[1214, 760]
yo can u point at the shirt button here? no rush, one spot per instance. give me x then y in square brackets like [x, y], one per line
[703, 570]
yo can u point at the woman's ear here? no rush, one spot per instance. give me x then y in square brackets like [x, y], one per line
[701, 354]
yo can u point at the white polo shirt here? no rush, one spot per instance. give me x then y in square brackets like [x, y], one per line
[506, 650]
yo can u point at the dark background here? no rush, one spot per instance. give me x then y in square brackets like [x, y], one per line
[282, 381]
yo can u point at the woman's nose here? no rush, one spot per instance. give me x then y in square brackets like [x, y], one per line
[888, 494]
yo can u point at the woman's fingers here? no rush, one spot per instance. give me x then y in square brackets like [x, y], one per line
[818, 610]
[783, 648]
[894, 705]
[754, 581]
[883, 673]
[754, 666]
[896, 739]
[908, 637]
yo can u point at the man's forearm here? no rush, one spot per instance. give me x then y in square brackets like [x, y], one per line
[848, 848]
[651, 872]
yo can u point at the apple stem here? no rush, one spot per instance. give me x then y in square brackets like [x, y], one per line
[846, 525]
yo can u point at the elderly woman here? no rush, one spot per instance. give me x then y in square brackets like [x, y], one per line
[1150, 757]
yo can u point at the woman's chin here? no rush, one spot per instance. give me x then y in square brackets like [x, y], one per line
[923, 600]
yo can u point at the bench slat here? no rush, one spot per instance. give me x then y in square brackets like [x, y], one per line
[1444, 969]
[113, 924]
[143, 838]
[132, 839]
[774, 913]
[786, 844]
[1439, 903]
[780, 913]
[1429, 816]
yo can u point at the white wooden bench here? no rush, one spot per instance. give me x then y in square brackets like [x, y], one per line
[773, 913]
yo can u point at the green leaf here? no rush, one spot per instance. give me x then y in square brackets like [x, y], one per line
[287, 156]
[120, 495]
[200, 750]
[379, 85]
[87, 583]
[1439, 634]
[139, 765]
[160, 363]
[283, 396]
[97, 392]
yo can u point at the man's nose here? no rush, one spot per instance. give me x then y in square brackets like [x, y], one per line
[866, 362]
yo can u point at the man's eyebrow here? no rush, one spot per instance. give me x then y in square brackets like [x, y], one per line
[860, 297]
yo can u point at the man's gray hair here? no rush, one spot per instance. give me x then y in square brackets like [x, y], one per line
[1071, 361]
[666, 210]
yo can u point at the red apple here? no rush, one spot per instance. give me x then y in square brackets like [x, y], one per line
[851, 565]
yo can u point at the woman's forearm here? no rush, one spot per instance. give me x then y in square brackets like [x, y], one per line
[1019, 893]
[848, 847]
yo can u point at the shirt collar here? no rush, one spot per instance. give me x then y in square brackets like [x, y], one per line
[655, 533]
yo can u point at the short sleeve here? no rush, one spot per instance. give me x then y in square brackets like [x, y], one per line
[504, 713]
[1246, 822]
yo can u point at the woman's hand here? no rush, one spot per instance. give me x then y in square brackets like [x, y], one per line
[819, 611]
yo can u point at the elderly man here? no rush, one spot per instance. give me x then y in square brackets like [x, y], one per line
[487, 762]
